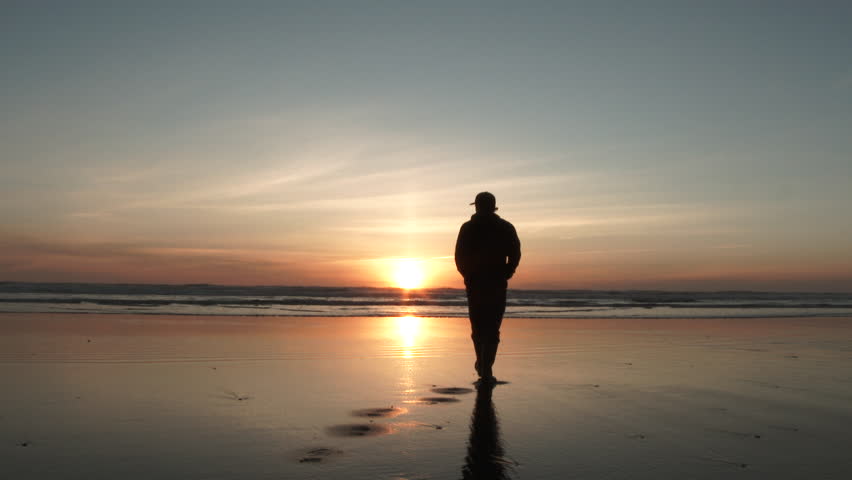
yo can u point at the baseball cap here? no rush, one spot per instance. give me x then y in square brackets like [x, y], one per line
[485, 201]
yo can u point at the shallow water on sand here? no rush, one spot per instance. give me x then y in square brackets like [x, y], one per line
[108, 396]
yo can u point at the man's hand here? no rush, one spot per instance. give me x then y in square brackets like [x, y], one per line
[509, 272]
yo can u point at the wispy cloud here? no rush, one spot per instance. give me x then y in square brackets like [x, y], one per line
[32, 258]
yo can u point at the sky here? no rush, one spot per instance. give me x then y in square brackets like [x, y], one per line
[634, 145]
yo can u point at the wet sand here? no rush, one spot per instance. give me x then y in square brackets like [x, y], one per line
[124, 396]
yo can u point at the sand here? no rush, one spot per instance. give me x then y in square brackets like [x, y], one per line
[124, 396]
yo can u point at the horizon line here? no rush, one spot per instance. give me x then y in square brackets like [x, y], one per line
[426, 288]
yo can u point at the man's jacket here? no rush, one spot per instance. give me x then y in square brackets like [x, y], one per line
[487, 249]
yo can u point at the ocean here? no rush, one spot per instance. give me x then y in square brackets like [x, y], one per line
[294, 301]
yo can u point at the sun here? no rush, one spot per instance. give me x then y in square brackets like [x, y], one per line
[408, 274]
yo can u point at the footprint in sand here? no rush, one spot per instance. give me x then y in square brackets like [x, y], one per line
[498, 382]
[428, 425]
[734, 434]
[452, 390]
[316, 455]
[231, 395]
[358, 430]
[727, 462]
[386, 412]
[373, 429]
[437, 400]
[784, 428]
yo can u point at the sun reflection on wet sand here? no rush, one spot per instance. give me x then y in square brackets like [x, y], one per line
[409, 331]
[406, 336]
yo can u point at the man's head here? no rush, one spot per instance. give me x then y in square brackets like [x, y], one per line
[485, 202]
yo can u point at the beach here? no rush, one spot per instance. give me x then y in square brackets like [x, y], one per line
[168, 396]
[247, 240]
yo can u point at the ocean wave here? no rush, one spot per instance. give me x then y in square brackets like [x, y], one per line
[204, 299]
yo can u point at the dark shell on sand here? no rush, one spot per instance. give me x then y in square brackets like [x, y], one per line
[385, 412]
[452, 390]
[358, 430]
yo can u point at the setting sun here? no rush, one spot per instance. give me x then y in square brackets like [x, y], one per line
[408, 274]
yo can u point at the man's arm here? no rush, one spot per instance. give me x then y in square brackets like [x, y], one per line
[461, 252]
[514, 253]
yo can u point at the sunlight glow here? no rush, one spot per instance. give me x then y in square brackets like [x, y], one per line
[408, 274]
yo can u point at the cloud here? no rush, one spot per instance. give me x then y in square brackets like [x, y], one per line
[27, 258]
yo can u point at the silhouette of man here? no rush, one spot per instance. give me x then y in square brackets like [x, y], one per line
[487, 254]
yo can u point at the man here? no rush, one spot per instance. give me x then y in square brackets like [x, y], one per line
[487, 254]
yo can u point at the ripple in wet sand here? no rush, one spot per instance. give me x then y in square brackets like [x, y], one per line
[358, 430]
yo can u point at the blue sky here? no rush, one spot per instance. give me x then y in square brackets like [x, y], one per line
[697, 145]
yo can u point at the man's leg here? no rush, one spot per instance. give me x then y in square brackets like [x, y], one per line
[488, 355]
[477, 349]
[474, 308]
[486, 305]
[491, 339]
[488, 352]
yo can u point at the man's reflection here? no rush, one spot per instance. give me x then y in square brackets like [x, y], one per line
[484, 458]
